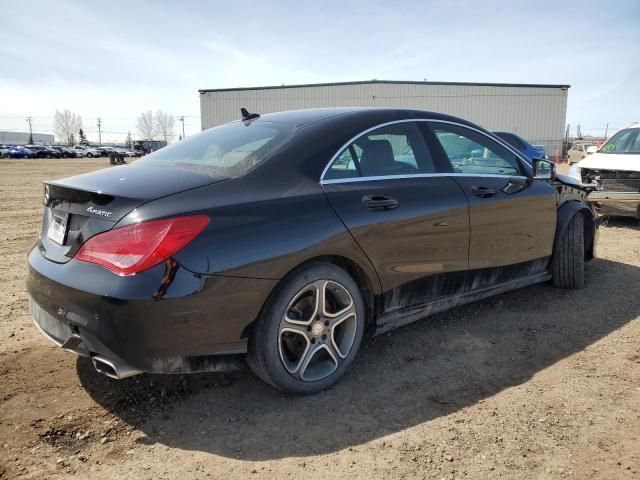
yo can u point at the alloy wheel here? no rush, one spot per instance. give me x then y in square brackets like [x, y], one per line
[317, 330]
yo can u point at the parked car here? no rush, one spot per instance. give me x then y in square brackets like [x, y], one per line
[53, 152]
[523, 146]
[579, 151]
[105, 150]
[80, 151]
[3, 149]
[85, 151]
[44, 151]
[615, 171]
[19, 152]
[293, 236]
[39, 151]
[125, 152]
[148, 146]
[65, 152]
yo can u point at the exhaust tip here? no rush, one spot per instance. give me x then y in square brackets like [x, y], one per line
[112, 369]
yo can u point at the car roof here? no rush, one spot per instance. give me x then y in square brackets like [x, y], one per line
[305, 117]
[501, 132]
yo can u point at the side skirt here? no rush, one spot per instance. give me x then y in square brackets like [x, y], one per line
[404, 315]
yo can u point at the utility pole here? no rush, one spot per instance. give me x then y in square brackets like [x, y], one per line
[29, 119]
[606, 130]
[99, 131]
[181, 118]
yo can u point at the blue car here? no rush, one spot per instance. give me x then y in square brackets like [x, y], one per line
[19, 152]
[531, 151]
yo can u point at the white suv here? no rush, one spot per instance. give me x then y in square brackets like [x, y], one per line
[615, 171]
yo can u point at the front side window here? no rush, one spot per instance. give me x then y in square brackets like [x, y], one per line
[392, 150]
[473, 153]
[626, 141]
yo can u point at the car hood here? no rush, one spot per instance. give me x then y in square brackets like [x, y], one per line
[610, 161]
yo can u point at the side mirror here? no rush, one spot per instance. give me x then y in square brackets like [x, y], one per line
[544, 169]
[592, 149]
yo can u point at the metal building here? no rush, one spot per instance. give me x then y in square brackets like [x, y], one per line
[22, 138]
[535, 112]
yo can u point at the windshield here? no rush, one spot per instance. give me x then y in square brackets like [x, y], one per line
[626, 141]
[229, 150]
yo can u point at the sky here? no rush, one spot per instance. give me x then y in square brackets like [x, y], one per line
[115, 59]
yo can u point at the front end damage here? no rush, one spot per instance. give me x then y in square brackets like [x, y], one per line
[568, 189]
[616, 192]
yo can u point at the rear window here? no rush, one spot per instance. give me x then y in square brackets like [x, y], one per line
[229, 150]
[511, 139]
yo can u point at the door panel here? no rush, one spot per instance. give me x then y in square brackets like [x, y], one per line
[415, 244]
[512, 216]
[515, 224]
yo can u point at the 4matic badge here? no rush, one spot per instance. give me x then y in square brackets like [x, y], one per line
[102, 213]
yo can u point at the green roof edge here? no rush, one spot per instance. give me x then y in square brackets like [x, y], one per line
[372, 82]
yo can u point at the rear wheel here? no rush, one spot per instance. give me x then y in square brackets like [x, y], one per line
[310, 330]
[568, 260]
[90, 155]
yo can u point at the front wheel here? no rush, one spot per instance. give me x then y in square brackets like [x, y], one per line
[568, 258]
[310, 330]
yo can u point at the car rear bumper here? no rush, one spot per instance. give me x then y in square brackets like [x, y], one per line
[164, 320]
[625, 204]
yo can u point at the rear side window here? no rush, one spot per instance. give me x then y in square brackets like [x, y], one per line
[229, 150]
[391, 150]
[473, 153]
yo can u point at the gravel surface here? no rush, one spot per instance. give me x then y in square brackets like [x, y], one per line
[536, 383]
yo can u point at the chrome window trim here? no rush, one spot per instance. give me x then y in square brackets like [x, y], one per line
[418, 175]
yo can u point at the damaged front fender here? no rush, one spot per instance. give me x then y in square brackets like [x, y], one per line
[572, 199]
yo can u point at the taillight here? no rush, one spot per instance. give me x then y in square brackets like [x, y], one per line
[131, 249]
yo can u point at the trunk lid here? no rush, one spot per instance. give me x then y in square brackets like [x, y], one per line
[77, 208]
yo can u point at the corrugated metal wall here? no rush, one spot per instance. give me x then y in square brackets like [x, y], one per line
[536, 113]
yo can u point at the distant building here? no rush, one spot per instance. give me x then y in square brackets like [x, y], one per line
[535, 112]
[22, 138]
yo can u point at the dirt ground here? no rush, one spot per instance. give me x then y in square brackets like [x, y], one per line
[536, 383]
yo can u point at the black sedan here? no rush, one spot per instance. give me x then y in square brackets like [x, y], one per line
[290, 237]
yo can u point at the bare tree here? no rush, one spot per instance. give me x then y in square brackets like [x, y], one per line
[165, 125]
[65, 125]
[146, 125]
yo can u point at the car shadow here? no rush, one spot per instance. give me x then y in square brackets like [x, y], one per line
[423, 371]
[620, 222]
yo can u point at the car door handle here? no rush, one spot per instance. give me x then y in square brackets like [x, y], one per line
[483, 192]
[379, 203]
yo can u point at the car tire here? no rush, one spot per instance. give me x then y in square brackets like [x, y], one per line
[89, 155]
[568, 259]
[309, 331]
